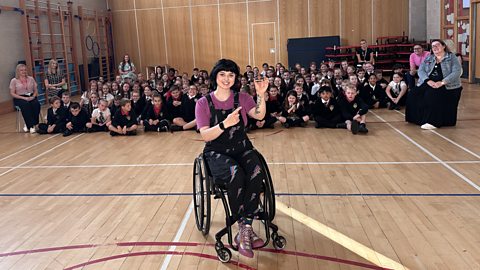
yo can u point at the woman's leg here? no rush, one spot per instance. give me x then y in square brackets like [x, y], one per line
[226, 170]
[435, 100]
[26, 110]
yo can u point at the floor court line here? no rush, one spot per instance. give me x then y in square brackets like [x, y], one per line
[450, 141]
[278, 194]
[457, 173]
[268, 163]
[341, 239]
[172, 248]
[183, 244]
[28, 147]
[40, 155]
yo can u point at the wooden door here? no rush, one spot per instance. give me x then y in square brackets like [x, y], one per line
[264, 44]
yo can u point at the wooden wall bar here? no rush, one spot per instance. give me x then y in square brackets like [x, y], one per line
[188, 33]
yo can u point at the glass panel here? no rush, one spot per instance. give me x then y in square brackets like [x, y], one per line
[463, 8]
[463, 42]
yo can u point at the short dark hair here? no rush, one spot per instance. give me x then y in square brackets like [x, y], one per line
[75, 105]
[225, 65]
[325, 89]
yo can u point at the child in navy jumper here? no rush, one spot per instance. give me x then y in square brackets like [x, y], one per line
[125, 121]
[76, 120]
[155, 116]
[326, 111]
[293, 112]
[56, 117]
[186, 119]
[353, 110]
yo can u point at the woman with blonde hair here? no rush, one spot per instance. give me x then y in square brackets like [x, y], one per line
[23, 89]
[55, 83]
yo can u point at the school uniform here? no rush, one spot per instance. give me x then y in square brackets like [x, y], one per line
[305, 102]
[326, 113]
[78, 122]
[173, 111]
[294, 119]
[123, 119]
[100, 120]
[188, 107]
[373, 94]
[138, 107]
[350, 109]
[160, 114]
[395, 89]
[55, 117]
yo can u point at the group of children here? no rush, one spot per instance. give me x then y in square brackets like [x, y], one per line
[334, 97]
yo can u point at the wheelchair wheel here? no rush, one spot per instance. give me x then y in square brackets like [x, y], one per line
[269, 190]
[201, 195]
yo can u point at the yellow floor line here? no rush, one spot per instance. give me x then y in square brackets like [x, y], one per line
[343, 240]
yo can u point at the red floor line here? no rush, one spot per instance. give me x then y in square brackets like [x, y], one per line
[185, 244]
[150, 253]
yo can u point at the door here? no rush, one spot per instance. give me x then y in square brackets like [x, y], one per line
[264, 44]
[475, 53]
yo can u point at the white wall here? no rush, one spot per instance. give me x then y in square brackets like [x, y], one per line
[417, 17]
[11, 41]
[433, 19]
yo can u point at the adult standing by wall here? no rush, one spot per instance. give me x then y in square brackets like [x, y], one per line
[433, 103]
[55, 80]
[416, 59]
[23, 89]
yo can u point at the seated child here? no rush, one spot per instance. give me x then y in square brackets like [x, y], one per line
[353, 110]
[293, 112]
[125, 121]
[373, 94]
[115, 105]
[56, 116]
[138, 104]
[396, 92]
[186, 120]
[76, 120]
[101, 118]
[174, 103]
[325, 110]
[155, 116]
[380, 80]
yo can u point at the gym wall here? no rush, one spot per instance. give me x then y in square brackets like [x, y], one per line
[196, 33]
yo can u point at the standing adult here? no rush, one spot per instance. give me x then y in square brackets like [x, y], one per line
[23, 89]
[416, 59]
[55, 80]
[433, 103]
[127, 68]
[364, 54]
[221, 118]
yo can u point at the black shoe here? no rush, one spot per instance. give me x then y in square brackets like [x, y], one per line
[286, 125]
[341, 125]
[392, 106]
[131, 133]
[67, 133]
[362, 128]
[397, 107]
[166, 124]
[303, 124]
[41, 131]
[113, 133]
[317, 125]
[354, 127]
[176, 128]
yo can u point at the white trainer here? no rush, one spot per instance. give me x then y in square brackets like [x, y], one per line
[428, 126]
[25, 128]
[32, 130]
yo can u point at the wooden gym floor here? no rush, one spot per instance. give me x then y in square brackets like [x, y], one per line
[398, 197]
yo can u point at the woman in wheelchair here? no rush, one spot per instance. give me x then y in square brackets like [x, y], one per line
[221, 119]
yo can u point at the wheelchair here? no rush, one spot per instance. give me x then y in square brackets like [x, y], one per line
[204, 187]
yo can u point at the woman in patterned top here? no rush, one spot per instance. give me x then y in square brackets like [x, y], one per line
[55, 80]
[127, 68]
